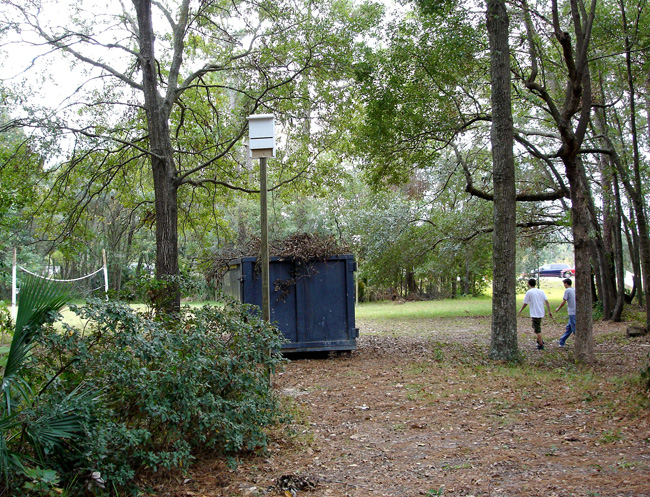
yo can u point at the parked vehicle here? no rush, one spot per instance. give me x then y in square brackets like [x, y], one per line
[569, 273]
[551, 271]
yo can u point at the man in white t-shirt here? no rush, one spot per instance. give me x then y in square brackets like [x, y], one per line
[570, 300]
[536, 299]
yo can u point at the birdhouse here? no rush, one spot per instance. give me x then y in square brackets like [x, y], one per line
[261, 133]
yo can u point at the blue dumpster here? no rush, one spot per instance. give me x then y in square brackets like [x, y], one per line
[312, 302]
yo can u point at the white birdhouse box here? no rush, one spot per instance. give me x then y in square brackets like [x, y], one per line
[261, 134]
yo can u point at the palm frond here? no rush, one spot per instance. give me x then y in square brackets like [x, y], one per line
[51, 431]
[8, 458]
[39, 298]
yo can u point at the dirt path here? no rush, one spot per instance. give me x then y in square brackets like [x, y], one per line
[419, 410]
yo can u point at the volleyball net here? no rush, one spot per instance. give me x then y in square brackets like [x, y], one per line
[88, 285]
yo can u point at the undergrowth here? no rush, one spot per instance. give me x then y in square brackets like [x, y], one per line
[167, 390]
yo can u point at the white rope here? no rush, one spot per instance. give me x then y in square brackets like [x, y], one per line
[65, 281]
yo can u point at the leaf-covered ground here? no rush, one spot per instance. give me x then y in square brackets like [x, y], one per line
[418, 409]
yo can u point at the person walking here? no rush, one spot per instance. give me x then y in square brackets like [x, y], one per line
[536, 298]
[569, 299]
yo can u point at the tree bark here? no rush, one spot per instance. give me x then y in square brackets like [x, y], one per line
[503, 342]
[576, 111]
[633, 249]
[618, 253]
[606, 264]
[637, 197]
[162, 166]
[581, 222]
[411, 285]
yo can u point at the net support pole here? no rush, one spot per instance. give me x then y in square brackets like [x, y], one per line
[14, 289]
[105, 273]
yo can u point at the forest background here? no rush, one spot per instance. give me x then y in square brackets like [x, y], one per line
[450, 145]
[383, 130]
[384, 119]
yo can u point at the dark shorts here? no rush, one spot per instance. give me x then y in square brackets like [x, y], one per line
[537, 325]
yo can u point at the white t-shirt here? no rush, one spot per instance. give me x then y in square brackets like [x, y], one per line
[535, 299]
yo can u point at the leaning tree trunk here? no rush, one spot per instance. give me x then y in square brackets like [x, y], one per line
[581, 225]
[503, 343]
[167, 297]
[578, 100]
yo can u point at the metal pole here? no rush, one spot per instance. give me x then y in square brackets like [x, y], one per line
[356, 289]
[105, 273]
[266, 297]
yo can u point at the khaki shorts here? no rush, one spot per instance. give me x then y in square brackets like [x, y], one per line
[537, 325]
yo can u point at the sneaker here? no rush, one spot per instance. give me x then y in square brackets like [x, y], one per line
[560, 345]
[540, 347]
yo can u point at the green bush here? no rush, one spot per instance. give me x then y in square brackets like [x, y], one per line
[522, 286]
[6, 323]
[147, 289]
[38, 425]
[598, 311]
[166, 391]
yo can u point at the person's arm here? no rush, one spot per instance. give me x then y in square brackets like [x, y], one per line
[522, 308]
[561, 305]
[548, 306]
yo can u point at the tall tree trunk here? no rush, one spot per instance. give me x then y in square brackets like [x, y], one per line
[503, 342]
[162, 166]
[618, 253]
[638, 199]
[606, 264]
[411, 285]
[633, 247]
[602, 261]
[612, 303]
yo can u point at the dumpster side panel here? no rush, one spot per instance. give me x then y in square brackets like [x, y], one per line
[230, 284]
[283, 304]
[326, 305]
[314, 314]
[325, 302]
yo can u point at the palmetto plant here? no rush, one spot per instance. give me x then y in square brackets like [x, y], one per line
[24, 440]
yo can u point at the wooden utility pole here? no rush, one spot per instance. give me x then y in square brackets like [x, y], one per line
[266, 292]
[262, 146]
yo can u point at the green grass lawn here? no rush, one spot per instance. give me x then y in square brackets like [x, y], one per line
[460, 307]
[464, 306]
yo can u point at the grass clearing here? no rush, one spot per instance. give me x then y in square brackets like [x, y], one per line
[446, 308]
[465, 306]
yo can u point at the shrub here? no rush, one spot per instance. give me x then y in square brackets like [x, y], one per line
[38, 426]
[6, 323]
[522, 286]
[598, 311]
[166, 391]
[147, 289]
